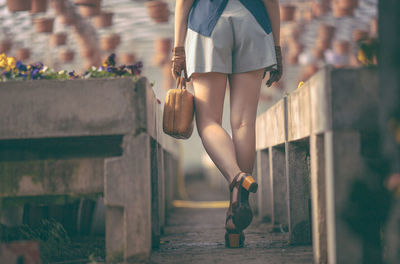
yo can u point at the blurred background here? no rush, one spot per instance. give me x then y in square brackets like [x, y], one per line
[77, 34]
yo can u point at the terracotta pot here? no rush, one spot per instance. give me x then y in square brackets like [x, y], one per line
[38, 6]
[19, 5]
[359, 34]
[44, 25]
[58, 39]
[89, 11]
[162, 48]
[287, 12]
[66, 55]
[346, 4]
[110, 42]
[158, 11]
[89, 8]
[320, 8]
[67, 20]
[339, 12]
[128, 58]
[305, 15]
[5, 45]
[341, 47]
[103, 20]
[23, 54]
[59, 6]
[326, 32]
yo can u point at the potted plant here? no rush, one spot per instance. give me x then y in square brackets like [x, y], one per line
[88, 8]
[359, 34]
[58, 6]
[287, 12]
[341, 47]
[5, 45]
[326, 32]
[38, 6]
[23, 54]
[128, 58]
[67, 55]
[19, 5]
[158, 10]
[110, 42]
[340, 12]
[58, 39]
[43, 25]
[67, 19]
[103, 20]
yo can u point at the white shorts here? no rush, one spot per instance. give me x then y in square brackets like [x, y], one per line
[237, 44]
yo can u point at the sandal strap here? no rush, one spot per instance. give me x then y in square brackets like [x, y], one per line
[228, 217]
[234, 181]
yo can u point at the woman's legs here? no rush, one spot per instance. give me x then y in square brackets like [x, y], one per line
[244, 95]
[209, 89]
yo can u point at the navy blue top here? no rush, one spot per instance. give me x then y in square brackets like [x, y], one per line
[204, 14]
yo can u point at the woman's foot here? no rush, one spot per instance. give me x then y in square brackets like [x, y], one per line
[240, 207]
[234, 238]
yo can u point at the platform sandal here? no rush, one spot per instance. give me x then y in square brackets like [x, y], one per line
[234, 238]
[242, 214]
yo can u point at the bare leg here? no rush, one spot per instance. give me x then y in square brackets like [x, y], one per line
[209, 91]
[245, 92]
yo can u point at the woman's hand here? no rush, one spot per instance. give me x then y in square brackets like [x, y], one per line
[179, 62]
[275, 75]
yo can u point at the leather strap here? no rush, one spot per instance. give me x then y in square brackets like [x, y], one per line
[234, 181]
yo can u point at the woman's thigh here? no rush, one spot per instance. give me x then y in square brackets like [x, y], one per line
[244, 94]
[209, 90]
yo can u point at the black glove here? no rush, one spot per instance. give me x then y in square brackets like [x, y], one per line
[275, 75]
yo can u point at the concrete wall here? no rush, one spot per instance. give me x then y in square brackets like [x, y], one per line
[317, 139]
[91, 137]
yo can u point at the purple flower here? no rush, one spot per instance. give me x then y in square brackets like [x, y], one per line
[24, 75]
[20, 66]
[35, 74]
[139, 64]
[39, 65]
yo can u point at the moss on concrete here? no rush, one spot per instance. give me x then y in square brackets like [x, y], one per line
[47, 173]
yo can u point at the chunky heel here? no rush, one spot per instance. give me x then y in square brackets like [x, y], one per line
[249, 184]
[234, 240]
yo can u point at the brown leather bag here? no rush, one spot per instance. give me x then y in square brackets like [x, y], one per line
[179, 111]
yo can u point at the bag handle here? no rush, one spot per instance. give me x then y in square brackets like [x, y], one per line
[181, 83]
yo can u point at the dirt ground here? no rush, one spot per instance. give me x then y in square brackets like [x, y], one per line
[197, 236]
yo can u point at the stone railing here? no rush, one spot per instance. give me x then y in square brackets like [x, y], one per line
[315, 148]
[61, 139]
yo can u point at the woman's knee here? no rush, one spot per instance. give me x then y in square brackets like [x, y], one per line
[240, 122]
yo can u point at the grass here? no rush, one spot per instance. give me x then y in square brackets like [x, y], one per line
[56, 246]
